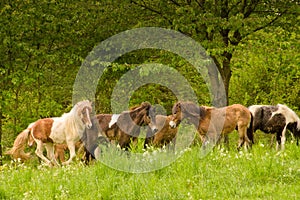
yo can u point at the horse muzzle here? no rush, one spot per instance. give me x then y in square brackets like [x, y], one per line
[172, 124]
[89, 126]
[154, 130]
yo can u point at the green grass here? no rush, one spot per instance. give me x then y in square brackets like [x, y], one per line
[261, 173]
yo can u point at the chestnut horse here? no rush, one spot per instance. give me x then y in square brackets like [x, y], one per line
[276, 119]
[126, 126]
[49, 131]
[165, 134]
[213, 122]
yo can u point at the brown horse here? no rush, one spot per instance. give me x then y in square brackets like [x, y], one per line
[49, 131]
[60, 150]
[212, 123]
[125, 127]
[165, 134]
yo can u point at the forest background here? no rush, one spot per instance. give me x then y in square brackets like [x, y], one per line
[254, 43]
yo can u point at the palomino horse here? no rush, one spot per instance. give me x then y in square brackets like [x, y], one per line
[65, 129]
[165, 134]
[275, 119]
[126, 126]
[211, 122]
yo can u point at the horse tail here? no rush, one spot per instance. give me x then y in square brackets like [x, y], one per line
[250, 130]
[17, 151]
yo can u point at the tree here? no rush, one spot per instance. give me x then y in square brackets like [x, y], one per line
[273, 70]
[220, 25]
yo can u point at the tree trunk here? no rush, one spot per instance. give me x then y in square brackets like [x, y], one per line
[1, 117]
[226, 73]
[217, 89]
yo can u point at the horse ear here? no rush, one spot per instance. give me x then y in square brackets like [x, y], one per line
[147, 105]
[92, 103]
[178, 105]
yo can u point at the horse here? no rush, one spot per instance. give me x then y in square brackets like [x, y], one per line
[210, 122]
[91, 139]
[60, 149]
[165, 134]
[126, 126]
[57, 130]
[24, 138]
[275, 119]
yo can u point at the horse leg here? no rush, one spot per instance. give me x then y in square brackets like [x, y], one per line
[278, 140]
[50, 153]
[243, 138]
[283, 138]
[39, 152]
[71, 147]
[226, 142]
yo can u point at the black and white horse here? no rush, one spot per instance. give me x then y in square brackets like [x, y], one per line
[275, 119]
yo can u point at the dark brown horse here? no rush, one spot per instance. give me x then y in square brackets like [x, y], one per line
[165, 134]
[212, 123]
[125, 127]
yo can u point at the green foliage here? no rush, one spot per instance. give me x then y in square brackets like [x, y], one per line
[266, 69]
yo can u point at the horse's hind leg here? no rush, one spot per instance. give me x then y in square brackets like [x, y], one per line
[39, 152]
[50, 153]
[243, 138]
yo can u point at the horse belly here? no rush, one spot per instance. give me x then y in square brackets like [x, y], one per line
[58, 132]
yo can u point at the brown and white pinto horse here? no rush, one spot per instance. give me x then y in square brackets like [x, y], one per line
[212, 122]
[58, 130]
[165, 134]
[126, 126]
[275, 119]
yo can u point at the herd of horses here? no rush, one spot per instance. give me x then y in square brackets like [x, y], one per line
[82, 130]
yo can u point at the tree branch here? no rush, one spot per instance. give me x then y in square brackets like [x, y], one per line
[265, 25]
[144, 5]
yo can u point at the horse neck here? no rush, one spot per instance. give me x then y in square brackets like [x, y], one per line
[195, 118]
[137, 116]
[73, 121]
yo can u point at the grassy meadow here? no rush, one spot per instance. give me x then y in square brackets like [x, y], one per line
[261, 173]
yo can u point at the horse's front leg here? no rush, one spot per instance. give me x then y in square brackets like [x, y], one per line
[283, 138]
[71, 147]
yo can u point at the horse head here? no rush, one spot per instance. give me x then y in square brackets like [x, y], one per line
[147, 111]
[176, 115]
[184, 110]
[85, 111]
[150, 119]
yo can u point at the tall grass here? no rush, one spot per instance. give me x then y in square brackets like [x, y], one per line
[261, 173]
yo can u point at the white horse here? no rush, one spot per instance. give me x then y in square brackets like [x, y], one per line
[57, 130]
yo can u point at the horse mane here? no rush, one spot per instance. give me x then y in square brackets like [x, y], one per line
[133, 111]
[72, 118]
[289, 114]
[193, 109]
